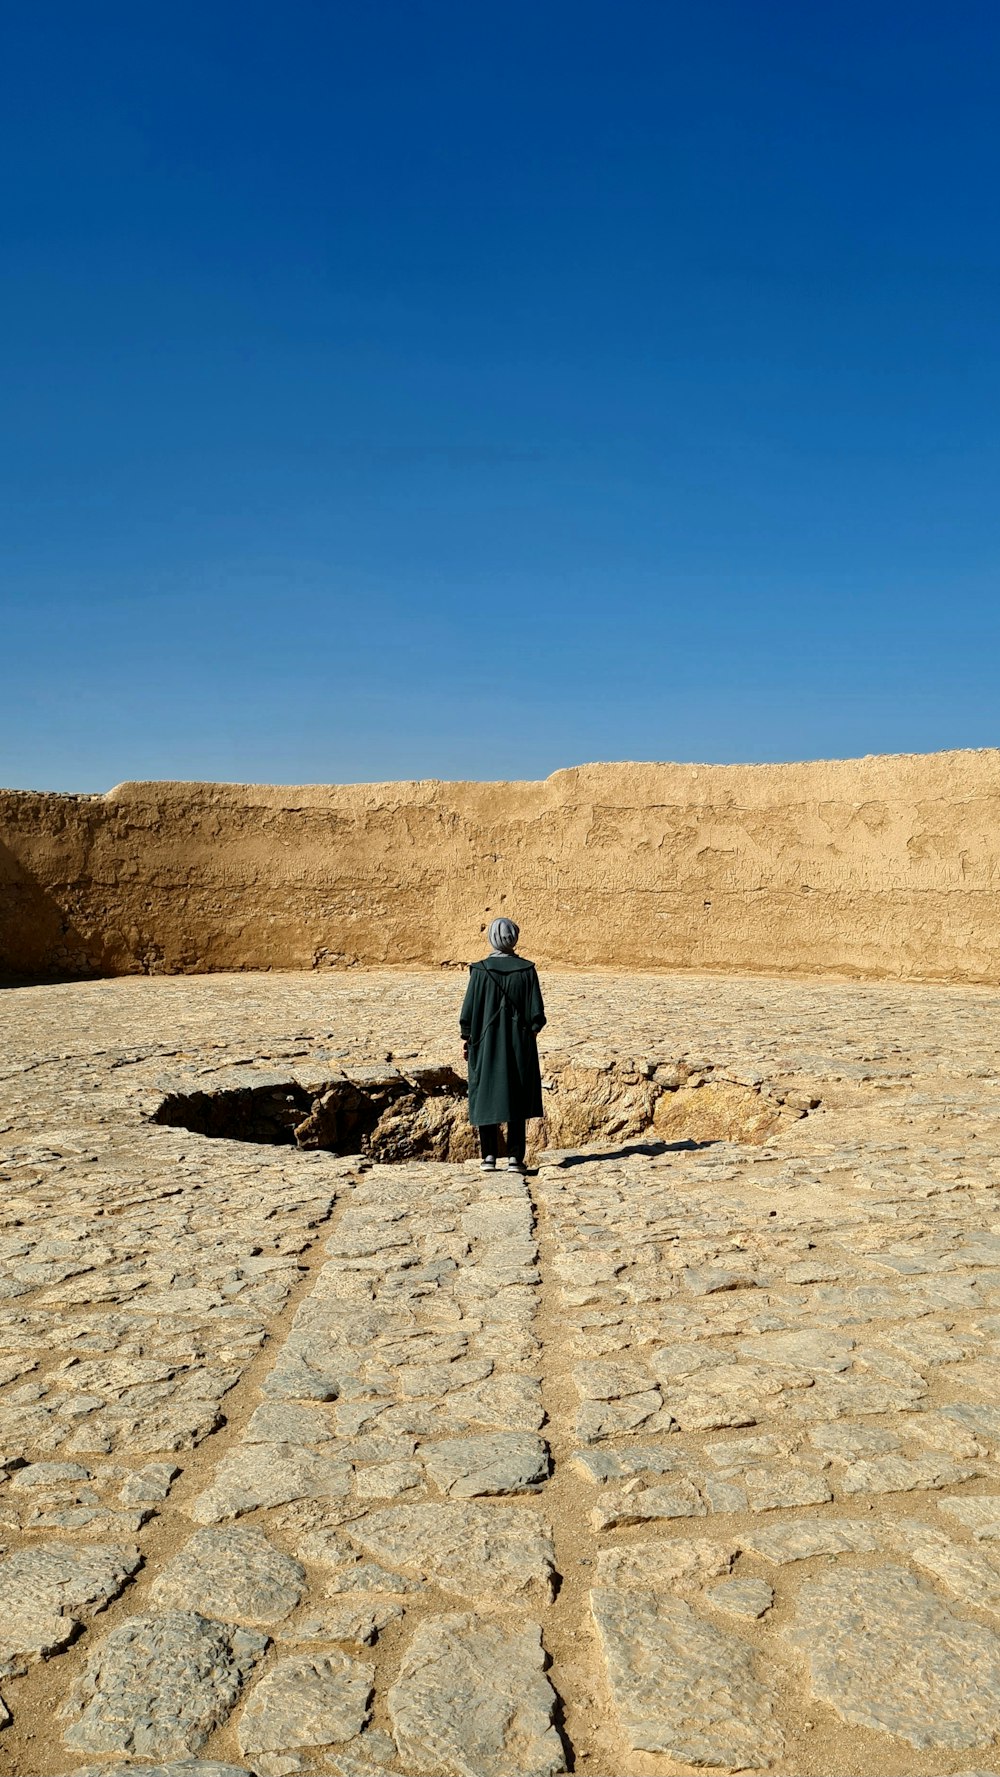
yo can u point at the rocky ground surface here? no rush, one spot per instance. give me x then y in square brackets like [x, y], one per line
[664, 1458]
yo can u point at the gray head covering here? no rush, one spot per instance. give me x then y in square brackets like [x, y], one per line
[503, 935]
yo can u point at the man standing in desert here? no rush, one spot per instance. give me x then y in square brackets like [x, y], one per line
[501, 1016]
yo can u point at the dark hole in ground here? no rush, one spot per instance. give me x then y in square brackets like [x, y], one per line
[423, 1115]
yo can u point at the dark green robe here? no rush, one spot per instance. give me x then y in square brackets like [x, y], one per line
[501, 1016]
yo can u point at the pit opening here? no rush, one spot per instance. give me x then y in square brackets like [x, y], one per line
[389, 1116]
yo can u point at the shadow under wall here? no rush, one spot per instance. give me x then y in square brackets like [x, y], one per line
[38, 939]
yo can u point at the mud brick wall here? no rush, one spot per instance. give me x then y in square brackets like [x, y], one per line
[877, 867]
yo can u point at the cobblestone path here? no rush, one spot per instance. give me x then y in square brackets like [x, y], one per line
[658, 1460]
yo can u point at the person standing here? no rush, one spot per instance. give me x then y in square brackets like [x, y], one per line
[501, 1016]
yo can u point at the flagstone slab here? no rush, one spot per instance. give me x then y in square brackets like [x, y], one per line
[472, 1696]
[886, 1652]
[682, 1687]
[232, 1573]
[156, 1686]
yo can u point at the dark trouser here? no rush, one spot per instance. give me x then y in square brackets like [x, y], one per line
[489, 1138]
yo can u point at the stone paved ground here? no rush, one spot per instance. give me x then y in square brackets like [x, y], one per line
[654, 1461]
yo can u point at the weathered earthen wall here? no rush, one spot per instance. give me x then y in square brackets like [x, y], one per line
[879, 866]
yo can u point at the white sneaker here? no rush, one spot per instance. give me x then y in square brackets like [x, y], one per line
[515, 1165]
[488, 1164]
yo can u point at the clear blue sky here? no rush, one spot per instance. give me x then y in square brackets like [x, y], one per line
[428, 389]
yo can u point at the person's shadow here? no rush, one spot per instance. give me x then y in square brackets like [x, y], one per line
[648, 1149]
